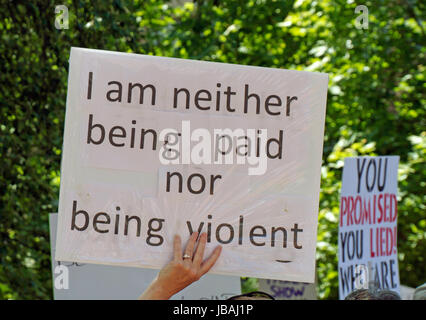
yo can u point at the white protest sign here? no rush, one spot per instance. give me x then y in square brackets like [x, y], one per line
[78, 281]
[407, 293]
[288, 290]
[368, 224]
[159, 146]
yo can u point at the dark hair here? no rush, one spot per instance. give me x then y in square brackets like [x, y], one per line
[366, 294]
[254, 295]
[388, 295]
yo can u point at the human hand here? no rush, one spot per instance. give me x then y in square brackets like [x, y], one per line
[182, 270]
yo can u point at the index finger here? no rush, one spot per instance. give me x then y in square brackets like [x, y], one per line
[208, 264]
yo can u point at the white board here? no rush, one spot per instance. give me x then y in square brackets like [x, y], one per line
[122, 201]
[368, 224]
[288, 290]
[101, 282]
[407, 293]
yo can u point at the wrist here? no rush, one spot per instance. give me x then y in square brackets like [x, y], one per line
[163, 289]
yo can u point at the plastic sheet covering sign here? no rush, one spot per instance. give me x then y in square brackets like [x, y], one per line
[368, 225]
[158, 146]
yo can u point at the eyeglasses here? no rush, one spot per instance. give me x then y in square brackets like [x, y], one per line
[253, 295]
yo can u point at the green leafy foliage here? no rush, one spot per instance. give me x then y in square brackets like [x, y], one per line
[376, 103]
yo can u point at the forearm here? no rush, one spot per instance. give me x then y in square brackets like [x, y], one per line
[156, 291]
